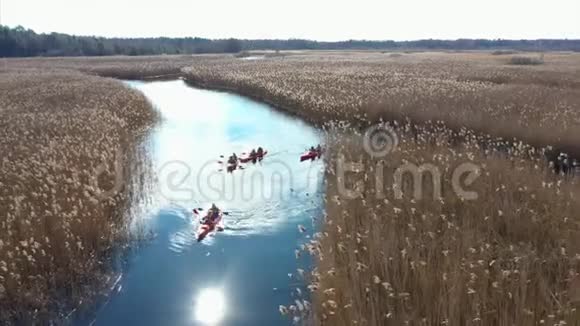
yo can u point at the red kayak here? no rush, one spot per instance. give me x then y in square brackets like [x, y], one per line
[310, 155]
[253, 159]
[208, 227]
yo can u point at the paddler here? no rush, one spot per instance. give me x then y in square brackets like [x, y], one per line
[212, 214]
[260, 152]
[319, 150]
[233, 159]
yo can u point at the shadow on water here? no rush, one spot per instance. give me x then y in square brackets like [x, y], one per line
[239, 276]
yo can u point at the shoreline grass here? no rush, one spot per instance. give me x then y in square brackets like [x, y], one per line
[511, 257]
[64, 135]
[536, 106]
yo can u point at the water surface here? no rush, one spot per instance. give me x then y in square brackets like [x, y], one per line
[240, 276]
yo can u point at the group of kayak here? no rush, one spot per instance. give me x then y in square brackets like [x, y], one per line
[254, 156]
[212, 220]
[257, 155]
[312, 154]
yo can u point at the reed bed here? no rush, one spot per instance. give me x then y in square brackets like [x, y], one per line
[391, 256]
[122, 67]
[66, 138]
[538, 105]
[509, 257]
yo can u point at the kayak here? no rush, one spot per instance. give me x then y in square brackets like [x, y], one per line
[253, 158]
[310, 155]
[208, 227]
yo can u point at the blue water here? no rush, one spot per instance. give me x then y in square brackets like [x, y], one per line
[239, 276]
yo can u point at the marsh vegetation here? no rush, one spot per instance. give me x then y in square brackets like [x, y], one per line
[511, 256]
[69, 162]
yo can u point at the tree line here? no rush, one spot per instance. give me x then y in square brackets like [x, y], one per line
[22, 42]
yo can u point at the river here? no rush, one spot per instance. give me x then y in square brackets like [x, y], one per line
[239, 276]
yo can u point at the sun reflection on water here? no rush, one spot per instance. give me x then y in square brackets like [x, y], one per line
[210, 306]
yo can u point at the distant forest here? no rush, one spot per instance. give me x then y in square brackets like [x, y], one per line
[21, 42]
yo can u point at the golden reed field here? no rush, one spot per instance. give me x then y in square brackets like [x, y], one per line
[122, 67]
[510, 256]
[538, 104]
[63, 138]
[395, 248]
[388, 255]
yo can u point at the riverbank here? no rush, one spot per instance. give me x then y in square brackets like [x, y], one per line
[508, 255]
[70, 167]
[480, 92]
[119, 67]
[506, 252]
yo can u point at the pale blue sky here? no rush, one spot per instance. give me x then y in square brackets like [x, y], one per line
[311, 19]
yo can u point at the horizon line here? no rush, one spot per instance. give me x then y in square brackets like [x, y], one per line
[298, 39]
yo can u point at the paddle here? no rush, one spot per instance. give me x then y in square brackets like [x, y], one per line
[220, 162]
[197, 210]
[217, 226]
[239, 166]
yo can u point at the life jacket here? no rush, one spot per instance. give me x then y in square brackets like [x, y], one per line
[214, 215]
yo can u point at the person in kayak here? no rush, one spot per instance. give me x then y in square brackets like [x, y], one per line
[212, 216]
[319, 150]
[233, 159]
[312, 149]
[253, 153]
[260, 152]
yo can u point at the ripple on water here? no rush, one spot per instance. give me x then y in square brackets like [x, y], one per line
[181, 241]
[262, 218]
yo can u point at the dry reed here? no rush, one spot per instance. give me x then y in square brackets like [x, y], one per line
[538, 105]
[510, 257]
[62, 135]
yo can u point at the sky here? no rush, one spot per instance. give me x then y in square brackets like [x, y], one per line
[325, 20]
